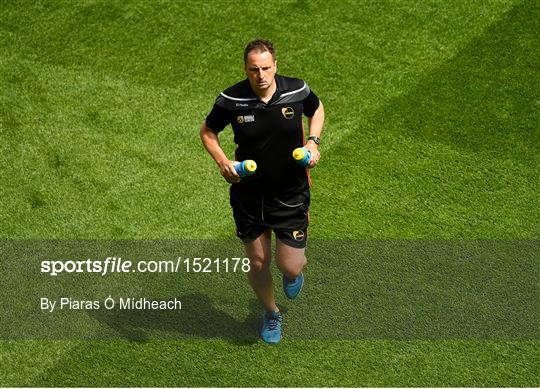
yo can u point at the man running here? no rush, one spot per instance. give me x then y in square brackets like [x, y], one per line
[265, 112]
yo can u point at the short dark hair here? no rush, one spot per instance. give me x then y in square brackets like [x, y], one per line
[261, 45]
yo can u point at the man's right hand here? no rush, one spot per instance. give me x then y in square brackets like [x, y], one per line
[228, 171]
[211, 144]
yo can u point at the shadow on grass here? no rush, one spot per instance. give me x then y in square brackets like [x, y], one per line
[455, 155]
[198, 318]
[483, 99]
[487, 97]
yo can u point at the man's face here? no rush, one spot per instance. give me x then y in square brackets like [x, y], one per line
[260, 70]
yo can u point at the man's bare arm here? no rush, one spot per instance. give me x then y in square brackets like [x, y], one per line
[211, 143]
[315, 125]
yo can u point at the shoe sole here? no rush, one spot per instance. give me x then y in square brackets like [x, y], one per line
[265, 342]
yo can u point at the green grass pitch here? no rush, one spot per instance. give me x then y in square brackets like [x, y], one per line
[431, 133]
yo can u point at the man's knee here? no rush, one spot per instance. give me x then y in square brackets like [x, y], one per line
[292, 269]
[258, 262]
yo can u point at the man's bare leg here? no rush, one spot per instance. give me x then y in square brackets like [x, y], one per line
[290, 260]
[259, 253]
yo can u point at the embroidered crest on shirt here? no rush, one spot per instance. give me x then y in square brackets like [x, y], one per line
[245, 119]
[287, 112]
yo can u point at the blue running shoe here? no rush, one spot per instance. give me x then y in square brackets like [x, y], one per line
[271, 328]
[292, 287]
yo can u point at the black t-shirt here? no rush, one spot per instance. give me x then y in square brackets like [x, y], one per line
[267, 132]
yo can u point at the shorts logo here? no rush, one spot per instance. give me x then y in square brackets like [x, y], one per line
[298, 235]
[287, 112]
[245, 119]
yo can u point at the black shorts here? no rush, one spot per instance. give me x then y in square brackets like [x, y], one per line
[255, 212]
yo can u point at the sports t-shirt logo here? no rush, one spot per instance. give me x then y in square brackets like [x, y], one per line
[287, 112]
[245, 119]
[298, 235]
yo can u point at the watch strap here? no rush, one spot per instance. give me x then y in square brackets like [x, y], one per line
[315, 139]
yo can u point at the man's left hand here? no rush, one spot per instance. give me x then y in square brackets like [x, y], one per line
[315, 154]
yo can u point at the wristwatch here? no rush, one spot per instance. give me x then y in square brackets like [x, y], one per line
[315, 139]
